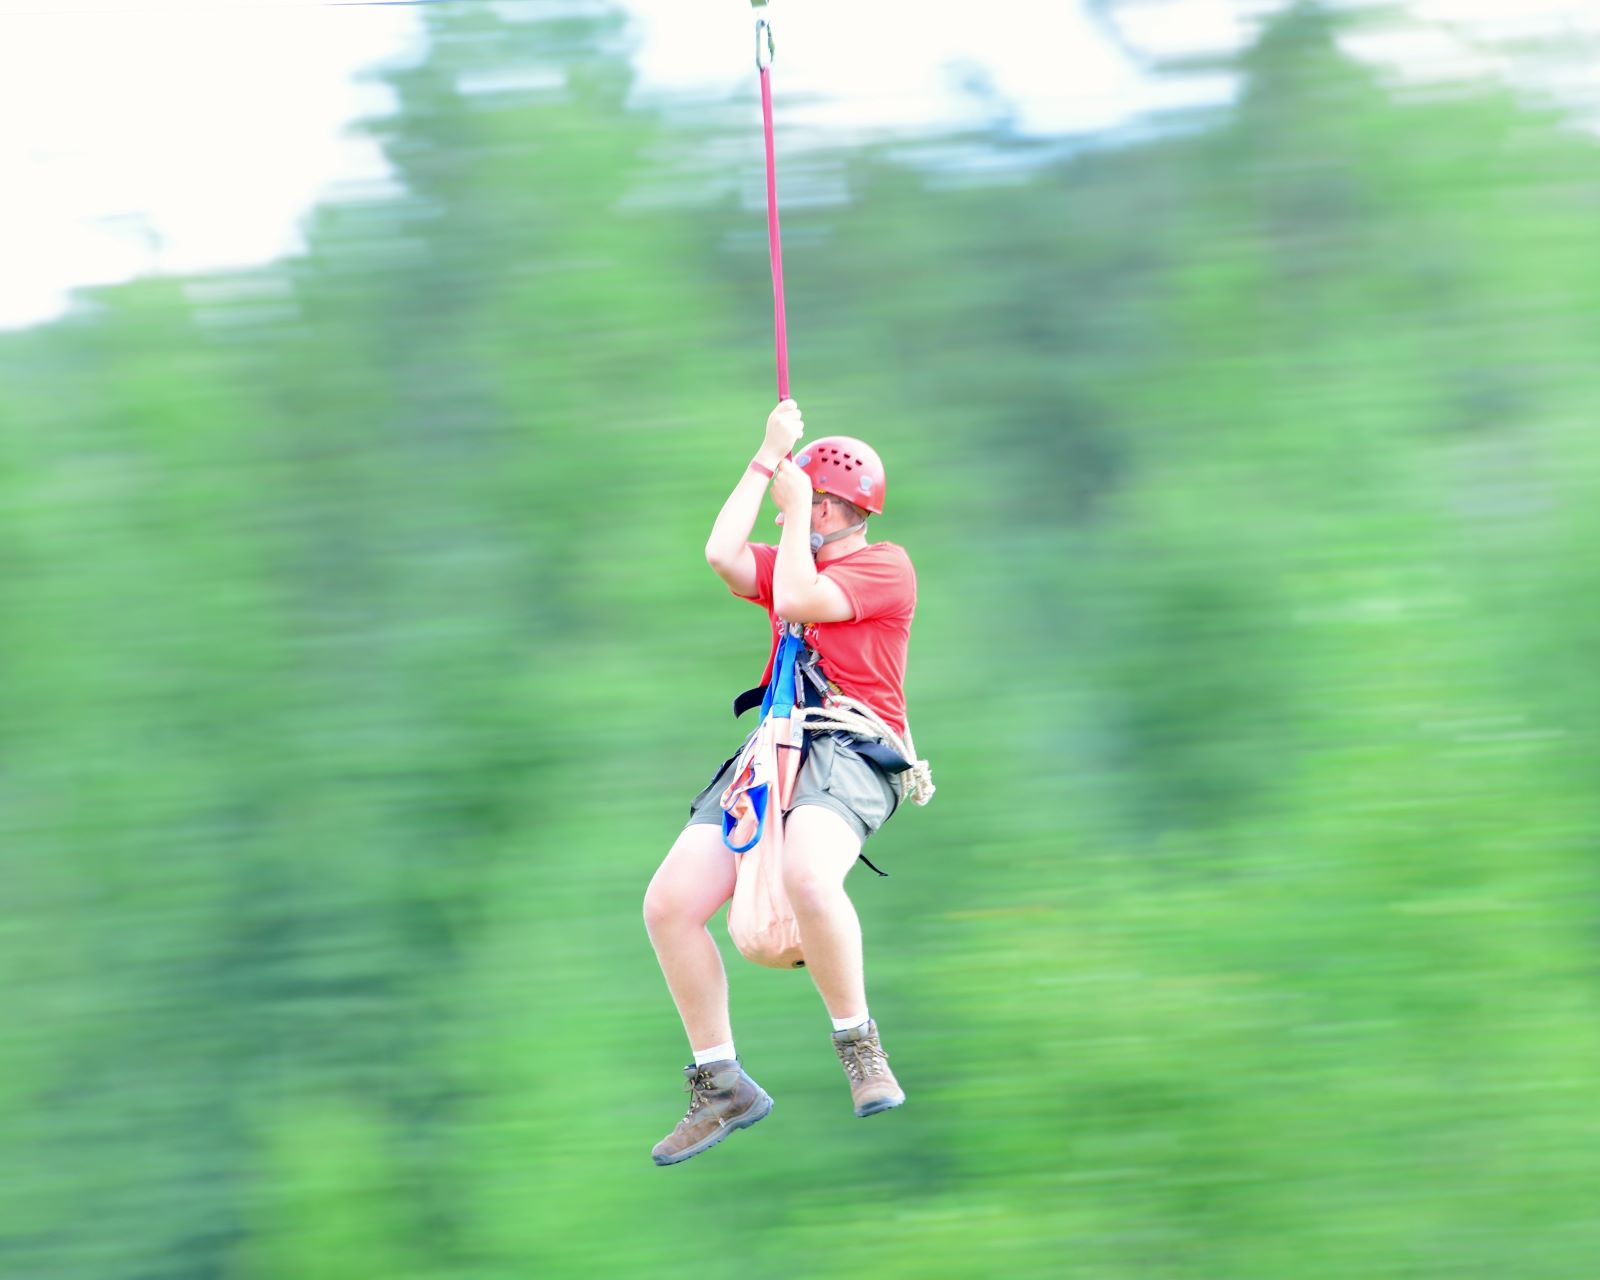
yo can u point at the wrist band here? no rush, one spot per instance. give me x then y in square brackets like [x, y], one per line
[759, 469]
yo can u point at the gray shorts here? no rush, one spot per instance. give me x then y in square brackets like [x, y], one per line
[833, 777]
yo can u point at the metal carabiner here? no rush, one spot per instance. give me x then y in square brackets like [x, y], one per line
[766, 50]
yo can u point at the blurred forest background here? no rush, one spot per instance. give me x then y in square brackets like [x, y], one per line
[361, 660]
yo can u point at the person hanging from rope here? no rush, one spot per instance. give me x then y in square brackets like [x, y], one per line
[852, 602]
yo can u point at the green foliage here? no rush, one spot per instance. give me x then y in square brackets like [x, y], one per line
[362, 660]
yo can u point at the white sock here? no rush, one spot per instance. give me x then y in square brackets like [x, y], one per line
[716, 1053]
[851, 1023]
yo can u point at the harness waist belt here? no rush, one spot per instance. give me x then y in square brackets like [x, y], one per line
[881, 754]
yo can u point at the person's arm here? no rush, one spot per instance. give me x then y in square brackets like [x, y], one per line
[799, 592]
[728, 548]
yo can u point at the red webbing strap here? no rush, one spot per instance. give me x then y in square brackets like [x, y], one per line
[774, 240]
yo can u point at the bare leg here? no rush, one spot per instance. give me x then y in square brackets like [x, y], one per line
[819, 848]
[693, 881]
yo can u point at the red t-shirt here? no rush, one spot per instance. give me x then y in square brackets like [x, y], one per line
[865, 657]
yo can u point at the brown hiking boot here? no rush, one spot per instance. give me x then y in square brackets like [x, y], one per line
[721, 1099]
[873, 1087]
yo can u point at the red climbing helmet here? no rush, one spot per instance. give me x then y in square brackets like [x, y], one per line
[846, 468]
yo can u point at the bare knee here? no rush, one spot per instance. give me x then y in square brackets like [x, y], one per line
[818, 851]
[668, 906]
[661, 911]
[696, 877]
[808, 890]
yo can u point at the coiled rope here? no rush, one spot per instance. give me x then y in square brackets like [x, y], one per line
[846, 715]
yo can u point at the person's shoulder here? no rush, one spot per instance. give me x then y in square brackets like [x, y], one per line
[888, 552]
[889, 562]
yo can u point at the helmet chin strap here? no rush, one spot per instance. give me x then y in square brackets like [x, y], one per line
[818, 540]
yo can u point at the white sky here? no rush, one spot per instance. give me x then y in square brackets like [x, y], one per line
[185, 135]
[147, 135]
[890, 65]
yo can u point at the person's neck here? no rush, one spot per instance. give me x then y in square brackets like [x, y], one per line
[841, 548]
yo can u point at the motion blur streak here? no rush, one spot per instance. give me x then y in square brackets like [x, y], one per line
[361, 661]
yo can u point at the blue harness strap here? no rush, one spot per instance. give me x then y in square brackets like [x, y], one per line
[780, 689]
[778, 701]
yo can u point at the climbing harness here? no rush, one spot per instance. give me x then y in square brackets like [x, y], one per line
[761, 919]
[766, 49]
[864, 730]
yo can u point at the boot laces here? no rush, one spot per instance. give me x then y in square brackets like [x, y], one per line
[698, 1087]
[863, 1059]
